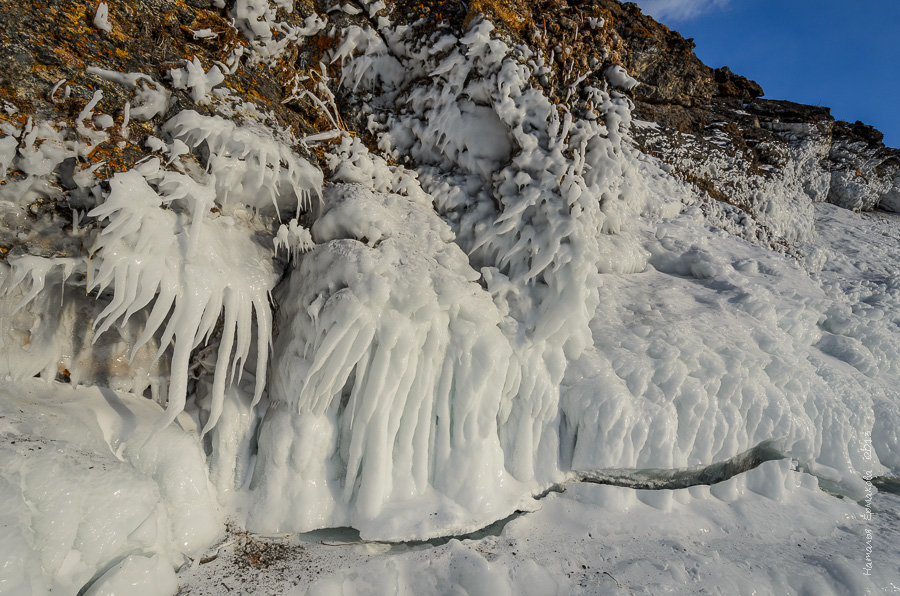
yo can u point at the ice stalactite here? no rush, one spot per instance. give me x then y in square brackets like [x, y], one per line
[555, 195]
[196, 267]
[177, 251]
[192, 264]
[388, 378]
[249, 166]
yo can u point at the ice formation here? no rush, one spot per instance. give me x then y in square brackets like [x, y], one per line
[257, 19]
[249, 166]
[294, 239]
[538, 253]
[196, 268]
[101, 18]
[88, 484]
[542, 263]
[527, 300]
[193, 77]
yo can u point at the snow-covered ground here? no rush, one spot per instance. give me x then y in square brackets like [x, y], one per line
[770, 531]
[527, 360]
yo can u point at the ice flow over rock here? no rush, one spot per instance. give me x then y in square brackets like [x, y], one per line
[403, 384]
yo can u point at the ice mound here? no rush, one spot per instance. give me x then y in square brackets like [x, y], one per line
[389, 374]
[87, 483]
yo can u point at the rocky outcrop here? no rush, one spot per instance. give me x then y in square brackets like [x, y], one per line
[864, 174]
[715, 118]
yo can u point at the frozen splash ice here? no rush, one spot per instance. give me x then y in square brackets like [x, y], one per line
[458, 334]
[388, 374]
[257, 19]
[247, 165]
[572, 233]
[177, 250]
[197, 267]
[411, 395]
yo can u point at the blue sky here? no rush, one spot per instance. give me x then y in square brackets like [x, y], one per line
[832, 53]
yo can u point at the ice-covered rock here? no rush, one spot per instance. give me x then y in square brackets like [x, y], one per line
[863, 174]
[502, 282]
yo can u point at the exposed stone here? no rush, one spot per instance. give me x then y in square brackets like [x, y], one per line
[864, 174]
[846, 164]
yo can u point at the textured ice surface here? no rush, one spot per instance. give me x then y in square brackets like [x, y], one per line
[388, 378]
[771, 530]
[718, 346]
[137, 574]
[410, 401]
[85, 484]
[779, 202]
[619, 333]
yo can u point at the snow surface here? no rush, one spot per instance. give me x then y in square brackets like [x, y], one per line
[526, 302]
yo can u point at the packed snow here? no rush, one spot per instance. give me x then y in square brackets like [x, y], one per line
[469, 361]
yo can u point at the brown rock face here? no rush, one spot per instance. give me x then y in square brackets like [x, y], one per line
[661, 59]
